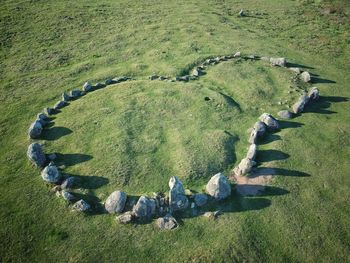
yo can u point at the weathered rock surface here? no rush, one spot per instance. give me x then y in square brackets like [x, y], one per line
[285, 114]
[177, 197]
[125, 218]
[314, 93]
[65, 96]
[251, 152]
[241, 13]
[99, 85]
[36, 155]
[212, 215]
[218, 187]
[59, 105]
[244, 167]
[200, 199]
[81, 206]
[51, 174]
[145, 207]
[237, 54]
[35, 130]
[269, 121]
[49, 111]
[68, 183]
[305, 76]
[167, 222]
[260, 128]
[67, 196]
[153, 77]
[298, 107]
[74, 94]
[296, 70]
[281, 62]
[42, 116]
[253, 136]
[197, 72]
[115, 203]
[87, 87]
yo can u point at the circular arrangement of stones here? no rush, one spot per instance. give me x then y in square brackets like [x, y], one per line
[162, 206]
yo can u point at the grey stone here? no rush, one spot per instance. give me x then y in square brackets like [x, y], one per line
[75, 93]
[87, 87]
[145, 207]
[244, 167]
[59, 105]
[67, 196]
[218, 187]
[281, 62]
[237, 54]
[196, 72]
[153, 77]
[241, 13]
[51, 156]
[42, 116]
[184, 78]
[68, 183]
[200, 199]
[81, 206]
[115, 203]
[109, 82]
[269, 121]
[49, 111]
[253, 136]
[125, 218]
[260, 128]
[298, 107]
[167, 222]
[212, 215]
[296, 70]
[177, 197]
[251, 152]
[305, 76]
[285, 114]
[99, 85]
[35, 130]
[65, 96]
[51, 174]
[314, 93]
[36, 155]
[265, 58]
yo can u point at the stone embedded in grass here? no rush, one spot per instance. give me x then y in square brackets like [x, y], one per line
[237, 54]
[109, 82]
[260, 128]
[296, 70]
[99, 85]
[251, 152]
[184, 78]
[87, 87]
[218, 187]
[298, 107]
[49, 111]
[36, 155]
[269, 121]
[241, 13]
[68, 183]
[177, 197]
[153, 77]
[305, 76]
[200, 199]
[253, 136]
[60, 104]
[125, 218]
[65, 96]
[67, 196]
[244, 167]
[51, 174]
[81, 206]
[314, 93]
[115, 203]
[51, 156]
[74, 94]
[167, 222]
[145, 207]
[42, 116]
[212, 215]
[35, 130]
[197, 72]
[285, 114]
[281, 62]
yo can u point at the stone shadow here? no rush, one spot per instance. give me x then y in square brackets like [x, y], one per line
[259, 171]
[289, 124]
[268, 138]
[317, 80]
[323, 103]
[270, 155]
[296, 65]
[55, 133]
[70, 159]
[87, 181]
[260, 190]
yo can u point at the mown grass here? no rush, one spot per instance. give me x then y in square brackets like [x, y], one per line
[49, 47]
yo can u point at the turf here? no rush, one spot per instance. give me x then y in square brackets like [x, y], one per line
[134, 136]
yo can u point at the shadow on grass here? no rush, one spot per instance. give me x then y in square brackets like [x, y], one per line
[268, 138]
[323, 103]
[270, 155]
[55, 133]
[289, 124]
[87, 181]
[317, 80]
[70, 159]
[296, 65]
[278, 171]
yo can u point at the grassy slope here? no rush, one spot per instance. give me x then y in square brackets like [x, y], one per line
[47, 48]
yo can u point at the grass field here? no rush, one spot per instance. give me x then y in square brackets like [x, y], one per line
[134, 136]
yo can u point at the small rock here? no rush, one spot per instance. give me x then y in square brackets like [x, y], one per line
[68, 183]
[74, 94]
[177, 197]
[81, 206]
[253, 136]
[314, 93]
[269, 121]
[296, 70]
[42, 116]
[218, 187]
[109, 82]
[153, 77]
[281, 62]
[212, 215]
[285, 114]
[200, 199]
[87, 87]
[49, 111]
[237, 55]
[265, 58]
[125, 218]
[167, 222]
[244, 167]
[251, 152]
[305, 76]
[67, 196]
[99, 85]
[196, 72]
[60, 104]
[51, 156]
[115, 203]
[35, 130]
[51, 174]
[184, 78]
[65, 96]
[36, 155]
[241, 13]
[260, 128]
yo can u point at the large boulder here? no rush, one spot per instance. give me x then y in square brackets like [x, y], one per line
[298, 107]
[285, 114]
[251, 152]
[177, 197]
[51, 174]
[269, 121]
[281, 62]
[305, 76]
[167, 222]
[314, 93]
[36, 155]
[81, 206]
[145, 207]
[115, 203]
[260, 128]
[244, 167]
[218, 187]
[35, 129]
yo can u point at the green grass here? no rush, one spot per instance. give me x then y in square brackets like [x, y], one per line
[134, 136]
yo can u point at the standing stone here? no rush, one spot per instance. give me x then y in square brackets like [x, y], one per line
[218, 187]
[81, 206]
[298, 107]
[35, 130]
[244, 167]
[260, 128]
[177, 197]
[68, 183]
[167, 222]
[42, 116]
[75, 94]
[145, 207]
[200, 199]
[51, 174]
[59, 105]
[87, 87]
[251, 152]
[314, 93]
[269, 121]
[36, 155]
[115, 203]
[305, 76]
[65, 97]
[125, 218]
[49, 111]
[109, 82]
[281, 62]
[285, 114]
